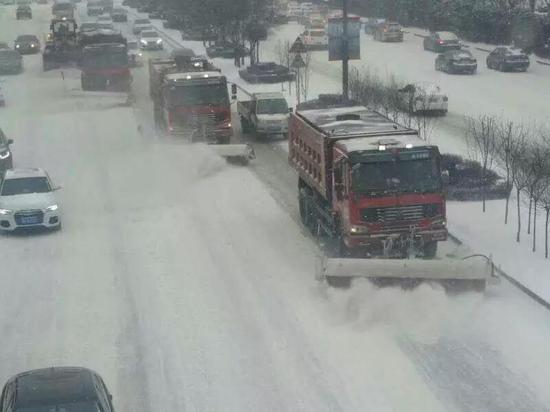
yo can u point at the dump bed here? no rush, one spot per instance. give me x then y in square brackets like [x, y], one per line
[313, 134]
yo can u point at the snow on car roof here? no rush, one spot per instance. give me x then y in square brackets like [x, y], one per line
[24, 172]
[513, 51]
[340, 122]
[427, 87]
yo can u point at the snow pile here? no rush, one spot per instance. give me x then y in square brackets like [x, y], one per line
[424, 314]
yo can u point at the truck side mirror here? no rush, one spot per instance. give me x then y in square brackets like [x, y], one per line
[445, 177]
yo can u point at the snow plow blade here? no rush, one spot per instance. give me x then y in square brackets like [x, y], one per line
[235, 153]
[472, 272]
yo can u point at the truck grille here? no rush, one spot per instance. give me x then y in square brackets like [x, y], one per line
[29, 217]
[408, 213]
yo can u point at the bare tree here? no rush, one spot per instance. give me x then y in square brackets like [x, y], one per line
[538, 168]
[482, 144]
[509, 135]
[545, 203]
[519, 173]
[285, 57]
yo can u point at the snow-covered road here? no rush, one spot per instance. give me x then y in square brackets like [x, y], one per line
[189, 286]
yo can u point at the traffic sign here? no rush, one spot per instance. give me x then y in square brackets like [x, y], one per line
[298, 46]
[298, 62]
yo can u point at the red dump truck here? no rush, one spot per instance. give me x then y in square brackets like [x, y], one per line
[374, 190]
[190, 97]
[370, 184]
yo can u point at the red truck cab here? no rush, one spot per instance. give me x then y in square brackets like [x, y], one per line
[369, 183]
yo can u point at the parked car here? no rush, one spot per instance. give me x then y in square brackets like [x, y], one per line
[267, 72]
[119, 14]
[508, 59]
[456, 61]
[156, 14]
[140, 24]
[105, 18]
[27, 44]
[6, 157]
[441, 41]
[389, 31]
[422, 97]
[11, 62]
[23, 12]
[88, 27]
[28, 200]
[150, 40]
[66, 389]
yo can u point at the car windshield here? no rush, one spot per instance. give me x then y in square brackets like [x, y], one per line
[26, 38]
[397, 175]
[149, 34]
[87, 406]
[25, 185]
[272, 106]
[447, 36]
[200, 94]
[9, 55]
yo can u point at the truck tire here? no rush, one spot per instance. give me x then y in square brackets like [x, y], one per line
[429, 250]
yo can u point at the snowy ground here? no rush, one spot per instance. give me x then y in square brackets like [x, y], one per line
[188, 284]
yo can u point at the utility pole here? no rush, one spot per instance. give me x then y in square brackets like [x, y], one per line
[345, 52]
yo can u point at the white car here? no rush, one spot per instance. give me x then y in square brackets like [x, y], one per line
[150, 40]
[315, 39]
[424, 97]
[27, 200]
[135, 55]
[141, 24]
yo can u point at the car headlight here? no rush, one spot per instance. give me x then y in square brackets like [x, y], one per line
[140, 54]
[143, 41]
[6, 211]
[159, 41]
[358, 230]
[33, 45]
[16, 46]
[52, 208]
[7, 153]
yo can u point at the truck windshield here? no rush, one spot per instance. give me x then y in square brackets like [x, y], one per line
[103, 61]
[272, 106]
[200, 94]
[418, 176]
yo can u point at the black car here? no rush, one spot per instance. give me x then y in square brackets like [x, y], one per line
[11, 62]
[6, 161]
[27, 44]
[440, 41]
[508, 59]
[456, 61]
[68, 389]
[23, 12]
[119, 15]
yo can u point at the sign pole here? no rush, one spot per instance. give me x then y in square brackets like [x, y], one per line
[345, 58]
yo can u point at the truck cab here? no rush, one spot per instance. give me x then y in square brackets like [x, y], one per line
[265, 114]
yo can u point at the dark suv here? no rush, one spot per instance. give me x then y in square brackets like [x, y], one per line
[440, 41]
[6, 158]
[508, 59]
[68, 389]
[23, 12]
[27, 44]
[456, 61]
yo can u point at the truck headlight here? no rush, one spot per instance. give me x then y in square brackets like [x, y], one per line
[7, 153]
[358, 230]
[6, 211]
[52, 208]
[143, 41]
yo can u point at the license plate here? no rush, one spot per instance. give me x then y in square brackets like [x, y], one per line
[29, 220]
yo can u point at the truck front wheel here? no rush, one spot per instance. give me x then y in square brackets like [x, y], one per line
[429, 250]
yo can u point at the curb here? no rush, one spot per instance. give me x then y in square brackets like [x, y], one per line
[514, 282]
